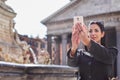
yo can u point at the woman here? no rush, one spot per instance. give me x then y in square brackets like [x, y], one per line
[95, 61]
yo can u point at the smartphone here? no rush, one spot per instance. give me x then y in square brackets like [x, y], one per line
[78, 19]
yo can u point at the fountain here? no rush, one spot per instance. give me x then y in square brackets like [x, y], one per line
[15, 55]
[34, 56]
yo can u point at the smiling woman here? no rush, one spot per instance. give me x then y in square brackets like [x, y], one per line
[98, 65]
[31, 12]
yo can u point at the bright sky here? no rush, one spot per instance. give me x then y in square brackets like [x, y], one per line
[31, 12]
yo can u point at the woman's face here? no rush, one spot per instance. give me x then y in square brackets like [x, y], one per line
[95, 33]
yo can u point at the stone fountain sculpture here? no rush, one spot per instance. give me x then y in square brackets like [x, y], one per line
[8, 46]
[12, 49]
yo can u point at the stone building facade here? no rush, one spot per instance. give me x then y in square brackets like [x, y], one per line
[60, 23]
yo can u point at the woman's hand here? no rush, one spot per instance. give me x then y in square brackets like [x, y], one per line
[83, 34]
[75, 37]
[114, 78]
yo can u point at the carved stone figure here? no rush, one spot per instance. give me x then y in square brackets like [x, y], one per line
[44, 57]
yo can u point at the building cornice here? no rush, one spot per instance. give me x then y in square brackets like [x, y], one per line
[60, 11]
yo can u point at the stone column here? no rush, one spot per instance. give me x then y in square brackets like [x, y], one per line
[57, 50]
[64, 49]
[118, 57]
[49, 44]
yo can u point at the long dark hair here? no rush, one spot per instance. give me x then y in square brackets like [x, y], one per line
[100, 25]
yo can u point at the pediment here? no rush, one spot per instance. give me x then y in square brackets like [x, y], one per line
[83, 8]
